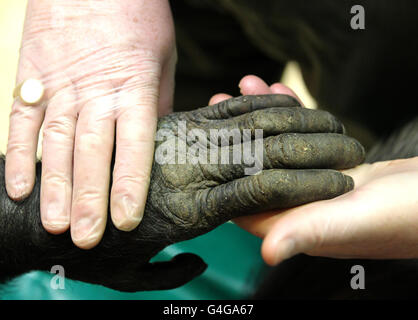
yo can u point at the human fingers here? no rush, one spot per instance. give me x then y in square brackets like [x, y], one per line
[92, 157]
[219, 97]
[135, 135]
[57, 162]
[24, 126]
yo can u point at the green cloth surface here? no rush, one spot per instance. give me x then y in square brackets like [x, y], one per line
[235, 267]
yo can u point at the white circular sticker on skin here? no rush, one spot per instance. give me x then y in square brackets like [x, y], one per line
[31, 91]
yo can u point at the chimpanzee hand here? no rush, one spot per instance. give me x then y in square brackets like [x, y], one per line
[301, 150]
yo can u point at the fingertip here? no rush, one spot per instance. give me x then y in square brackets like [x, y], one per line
[55, 216]
[56, 227]
[252, 85]
[123, 222]
[126, 214]
[86, 243]
[343, 129]
[24, 126]
[349, 183]
[219, 98]
[87, 230]
[362, 152]
[279, 88]
[277, 247]
[267, 252]
[18, 185]
[55, 202]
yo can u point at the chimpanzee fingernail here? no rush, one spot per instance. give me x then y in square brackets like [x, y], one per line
[349, 183]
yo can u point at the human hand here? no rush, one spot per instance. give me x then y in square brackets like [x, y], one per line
[103, 65]
[378, 219]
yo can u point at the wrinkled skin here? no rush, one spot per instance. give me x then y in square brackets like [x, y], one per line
[301, 149]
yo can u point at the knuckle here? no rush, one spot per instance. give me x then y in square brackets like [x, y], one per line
[87, 199]
[20, 150]
[55, 177]
[89, 141]
[62, 127]
[20, 111]
[130, 184]
[256, 119]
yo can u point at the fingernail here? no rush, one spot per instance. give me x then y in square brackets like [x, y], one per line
[284, 250]
[240, 87]
[19, 187]
[349, 183]
[56, 217]
[126, 215]
[84, 231]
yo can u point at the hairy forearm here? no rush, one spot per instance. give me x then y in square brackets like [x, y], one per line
[25, 245]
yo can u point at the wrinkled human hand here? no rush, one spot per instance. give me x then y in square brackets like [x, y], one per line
[107, 68]
[376, 220]
[198, 182]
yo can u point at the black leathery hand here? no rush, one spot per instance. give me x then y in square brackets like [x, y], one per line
[274, 121]
[245, 104]
[314, 150]
[292, 151]
[272, 189]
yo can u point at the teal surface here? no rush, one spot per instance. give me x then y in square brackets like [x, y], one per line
[235, 268]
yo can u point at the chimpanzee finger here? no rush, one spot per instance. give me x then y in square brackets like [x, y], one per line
[312, 150]
[274, 121]
[271, 189]
[285, 151]
[240, 105]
